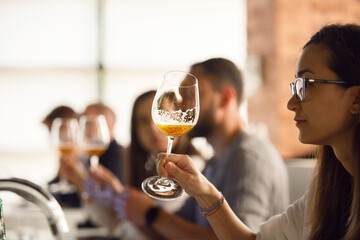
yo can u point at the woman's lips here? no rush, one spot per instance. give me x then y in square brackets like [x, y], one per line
[299, 122]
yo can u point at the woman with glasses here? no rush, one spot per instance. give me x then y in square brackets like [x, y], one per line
[326, 105]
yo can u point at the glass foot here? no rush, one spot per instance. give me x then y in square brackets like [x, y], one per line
[162, 189]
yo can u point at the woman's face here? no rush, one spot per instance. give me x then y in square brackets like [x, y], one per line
[323, 117]
[149, 135]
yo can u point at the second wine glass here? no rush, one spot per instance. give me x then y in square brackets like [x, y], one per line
[64, 136]
[94, 137]
[175, 111]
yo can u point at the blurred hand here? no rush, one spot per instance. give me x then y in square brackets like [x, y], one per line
[103, 176]
[183, 169]
[102, 186]
[102, 194]
[128, 203]
[73, 170]
[132, 205]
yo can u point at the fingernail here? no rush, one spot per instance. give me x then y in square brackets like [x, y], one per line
[169, 166]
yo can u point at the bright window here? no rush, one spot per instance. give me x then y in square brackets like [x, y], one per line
[49, 55]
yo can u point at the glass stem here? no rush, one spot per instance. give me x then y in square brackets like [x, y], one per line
[169, 146]
[94, 161]
[164, 180]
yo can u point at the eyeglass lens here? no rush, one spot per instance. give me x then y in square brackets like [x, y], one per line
[299, 87]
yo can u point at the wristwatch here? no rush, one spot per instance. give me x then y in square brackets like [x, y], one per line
[151, 216]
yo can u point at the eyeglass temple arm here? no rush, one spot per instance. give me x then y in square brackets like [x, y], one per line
[326, 81]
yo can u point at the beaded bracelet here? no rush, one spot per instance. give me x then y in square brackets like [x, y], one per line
[210, 211]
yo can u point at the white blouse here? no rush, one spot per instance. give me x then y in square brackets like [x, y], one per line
[293, 224]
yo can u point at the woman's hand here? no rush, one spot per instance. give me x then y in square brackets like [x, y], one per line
[183, 169]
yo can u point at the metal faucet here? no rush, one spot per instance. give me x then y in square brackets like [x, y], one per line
[42, 198]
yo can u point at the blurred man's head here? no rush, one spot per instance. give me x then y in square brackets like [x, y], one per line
[220, 81]
[59, 112]
[101, 109]
[220, 72]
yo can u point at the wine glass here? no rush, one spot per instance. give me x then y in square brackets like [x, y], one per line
[94, 137]
[175, 111]
[64, 136]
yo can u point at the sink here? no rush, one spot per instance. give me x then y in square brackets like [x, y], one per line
[44, 200]
[37, 215]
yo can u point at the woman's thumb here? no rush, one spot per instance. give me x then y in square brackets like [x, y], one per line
[171, 167]
[174, 170]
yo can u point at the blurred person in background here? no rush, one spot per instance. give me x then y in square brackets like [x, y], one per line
[59, 112]
[68, 198]
[246, 169]
[112, 159]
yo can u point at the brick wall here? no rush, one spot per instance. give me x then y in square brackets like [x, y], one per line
[277, 30]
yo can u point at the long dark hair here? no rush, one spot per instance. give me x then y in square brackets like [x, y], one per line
[137, 156]
[336, 203]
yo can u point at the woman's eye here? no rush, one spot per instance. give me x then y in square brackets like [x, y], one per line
[308, 84]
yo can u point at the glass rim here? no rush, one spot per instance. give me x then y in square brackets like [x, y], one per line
[185, 73]
[91, 116]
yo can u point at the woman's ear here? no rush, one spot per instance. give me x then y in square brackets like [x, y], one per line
[355, 107]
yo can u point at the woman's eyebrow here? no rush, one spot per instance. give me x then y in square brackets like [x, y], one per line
[301, 72]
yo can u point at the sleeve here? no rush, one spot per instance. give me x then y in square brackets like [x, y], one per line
[113, 159]
[248, 187]
[288, 225]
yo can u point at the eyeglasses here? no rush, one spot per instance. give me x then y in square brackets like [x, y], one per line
[300, 85]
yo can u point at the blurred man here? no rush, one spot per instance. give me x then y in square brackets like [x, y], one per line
[113, 157]
[112, 160]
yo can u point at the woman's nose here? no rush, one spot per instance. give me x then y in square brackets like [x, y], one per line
[293, 104]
